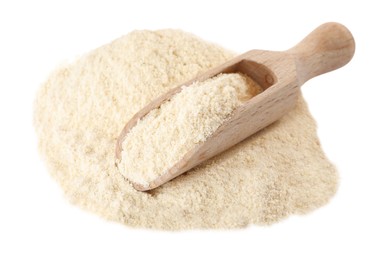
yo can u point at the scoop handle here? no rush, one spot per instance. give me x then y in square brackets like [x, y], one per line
[327, 48]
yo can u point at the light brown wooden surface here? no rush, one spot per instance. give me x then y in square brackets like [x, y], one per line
[280, 74]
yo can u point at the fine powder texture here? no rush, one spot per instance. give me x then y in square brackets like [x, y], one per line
[165, 135]
[82, 107]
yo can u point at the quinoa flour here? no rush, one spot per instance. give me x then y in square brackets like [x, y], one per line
[83, 106]
[163, 137]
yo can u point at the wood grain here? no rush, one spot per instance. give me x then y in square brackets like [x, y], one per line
[280, 74]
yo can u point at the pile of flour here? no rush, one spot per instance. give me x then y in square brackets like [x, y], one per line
[82, 107]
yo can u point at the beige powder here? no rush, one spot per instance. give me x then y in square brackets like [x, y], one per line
[82, 107]
[165, 135]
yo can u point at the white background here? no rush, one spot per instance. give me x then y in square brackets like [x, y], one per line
[36, 221]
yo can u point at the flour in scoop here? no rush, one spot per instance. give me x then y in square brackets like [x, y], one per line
[166, 134]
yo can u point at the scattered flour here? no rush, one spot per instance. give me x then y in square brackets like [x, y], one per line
[165, 135]
[82, 107]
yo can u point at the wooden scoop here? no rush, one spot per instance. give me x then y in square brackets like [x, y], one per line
[280, 74]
